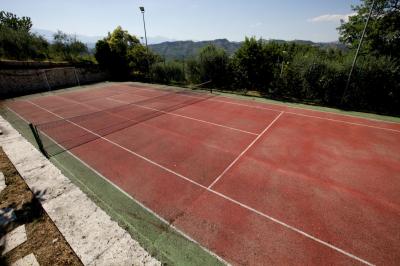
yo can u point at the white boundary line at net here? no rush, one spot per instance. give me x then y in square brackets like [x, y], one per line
[183, 116]
[300, 108]
[244, 151]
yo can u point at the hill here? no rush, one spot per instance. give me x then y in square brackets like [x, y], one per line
[187, 49]
[179, 50]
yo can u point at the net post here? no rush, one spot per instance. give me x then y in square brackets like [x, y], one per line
[77, 78]
[38, 140]
[46, 80]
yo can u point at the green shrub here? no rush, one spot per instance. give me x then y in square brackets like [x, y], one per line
[211, 64]
[375, 85]
[22, 45]
[168, 72]
[253, 65]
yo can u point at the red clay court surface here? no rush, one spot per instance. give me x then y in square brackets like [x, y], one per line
[254, 183]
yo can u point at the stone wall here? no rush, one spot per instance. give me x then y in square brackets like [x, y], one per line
[21, 78]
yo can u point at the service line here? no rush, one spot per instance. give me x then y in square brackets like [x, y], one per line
[305, 115]
[245, 150]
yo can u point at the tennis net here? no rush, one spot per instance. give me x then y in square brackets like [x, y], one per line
[58, 136]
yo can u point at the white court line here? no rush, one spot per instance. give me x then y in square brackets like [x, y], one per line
[184, 116]
[300, 108]
[149, 125]
[122, 191]
[212, 100]
[312, 116]
[294, 229]
[132, 198]
[154, 109]
[119, 146]
[346, 122]
[244, 151]
[62, 94]
[294, 113]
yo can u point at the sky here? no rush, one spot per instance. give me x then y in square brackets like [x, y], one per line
[314, 20]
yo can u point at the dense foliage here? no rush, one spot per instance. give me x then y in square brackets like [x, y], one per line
[18, 43]
[179, 50]
[123, 55]
[294, 71]
[13, 22]
[168, 72]
[302, 72]
[211, 64]
[67, 48]
[383, 34]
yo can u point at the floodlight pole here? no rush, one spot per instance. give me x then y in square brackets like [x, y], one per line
[144, 25]
[357, 52]
[145, 37]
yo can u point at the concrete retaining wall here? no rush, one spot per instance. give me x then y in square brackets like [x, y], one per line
[21, 78]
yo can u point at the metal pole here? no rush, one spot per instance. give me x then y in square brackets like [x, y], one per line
[46, 80]
[357, 52]
[76, 76]
[145, 33]
[145, 36]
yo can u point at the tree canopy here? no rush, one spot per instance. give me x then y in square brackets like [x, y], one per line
[67, 47]
[383, 32]
[18, 42]
[11, 21]
[122, 54]
[293, 71]
[253, 65]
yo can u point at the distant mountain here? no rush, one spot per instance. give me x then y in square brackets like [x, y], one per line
[173, 49]
[90, 41]
[179, 50]
[186, 49]
[334, 45]
[159, 39]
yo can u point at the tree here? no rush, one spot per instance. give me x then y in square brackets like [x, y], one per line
[383, 32]
[11, 21]
[16, 42]
[141, 60]
[167, 72]
[67, 48]
[122, 53]
[213, 65]
[253, 65]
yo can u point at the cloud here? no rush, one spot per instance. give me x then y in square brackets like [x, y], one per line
[331, 18]
[256, 25]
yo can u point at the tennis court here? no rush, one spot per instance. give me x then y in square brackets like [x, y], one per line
[254, 183]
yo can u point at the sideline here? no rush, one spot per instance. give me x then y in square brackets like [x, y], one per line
[95, 238]
[160, 239]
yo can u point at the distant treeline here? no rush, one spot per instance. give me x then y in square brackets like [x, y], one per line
[307, 73]
[294, 71]
[17, 42]
[178, 50]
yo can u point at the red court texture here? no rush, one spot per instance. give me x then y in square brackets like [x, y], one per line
[253, 183]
